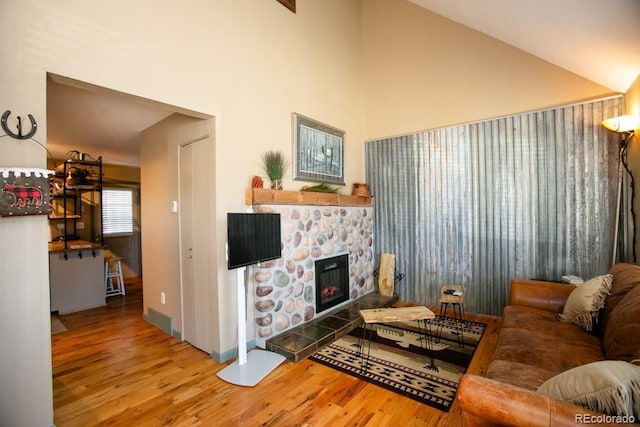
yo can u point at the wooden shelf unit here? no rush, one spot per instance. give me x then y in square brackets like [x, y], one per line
[261, 196]
[67, 203]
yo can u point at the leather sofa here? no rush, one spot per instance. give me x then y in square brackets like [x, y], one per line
[534, 345]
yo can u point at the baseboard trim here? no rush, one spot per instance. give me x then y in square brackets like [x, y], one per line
[165, 323]
[159, 320]
[230, 354]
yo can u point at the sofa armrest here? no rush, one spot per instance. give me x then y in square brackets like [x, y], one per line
[549, 296]
[486, 402]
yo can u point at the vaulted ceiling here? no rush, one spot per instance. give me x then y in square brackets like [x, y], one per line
[596, 39]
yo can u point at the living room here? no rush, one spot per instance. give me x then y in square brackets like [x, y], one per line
[250, 65]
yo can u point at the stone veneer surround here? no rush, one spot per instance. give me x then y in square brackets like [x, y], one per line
[284, 289]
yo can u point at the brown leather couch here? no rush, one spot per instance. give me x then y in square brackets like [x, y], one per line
[534, 346]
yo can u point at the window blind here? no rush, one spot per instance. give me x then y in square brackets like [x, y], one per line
[117, 211]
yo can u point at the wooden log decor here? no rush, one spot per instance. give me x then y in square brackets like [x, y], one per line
[386, 275]
[259, 196]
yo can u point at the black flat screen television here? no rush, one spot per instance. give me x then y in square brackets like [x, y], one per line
[252, 238]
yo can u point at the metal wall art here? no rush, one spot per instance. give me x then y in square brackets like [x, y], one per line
[19, 135]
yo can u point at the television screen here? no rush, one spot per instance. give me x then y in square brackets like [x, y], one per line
[252, 238]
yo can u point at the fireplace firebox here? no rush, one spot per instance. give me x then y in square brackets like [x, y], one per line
[332, 282]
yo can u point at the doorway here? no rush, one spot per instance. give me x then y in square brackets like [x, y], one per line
[103, 122]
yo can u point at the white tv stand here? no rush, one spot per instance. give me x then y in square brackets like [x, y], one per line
[250, 367]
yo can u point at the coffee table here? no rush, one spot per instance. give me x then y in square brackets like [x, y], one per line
[373, 316]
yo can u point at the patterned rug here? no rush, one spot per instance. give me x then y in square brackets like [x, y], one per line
[407, 359]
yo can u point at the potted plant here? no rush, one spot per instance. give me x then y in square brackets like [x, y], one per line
[275, 166]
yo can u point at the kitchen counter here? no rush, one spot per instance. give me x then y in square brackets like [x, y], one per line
[58, 245]
[76, 276]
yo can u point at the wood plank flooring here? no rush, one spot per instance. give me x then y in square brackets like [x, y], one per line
[113, 368]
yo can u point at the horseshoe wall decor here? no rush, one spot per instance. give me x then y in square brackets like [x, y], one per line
[19, 135]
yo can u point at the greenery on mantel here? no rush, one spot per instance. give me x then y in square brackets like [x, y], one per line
[274, 165]
[320, 188]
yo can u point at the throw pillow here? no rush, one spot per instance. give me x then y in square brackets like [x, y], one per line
[609, 386]
[621, 337]
[585, 301]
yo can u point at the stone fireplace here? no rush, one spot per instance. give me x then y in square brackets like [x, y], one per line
[332, 282]
[315, 228]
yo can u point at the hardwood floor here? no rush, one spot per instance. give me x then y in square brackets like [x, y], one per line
[113, 368]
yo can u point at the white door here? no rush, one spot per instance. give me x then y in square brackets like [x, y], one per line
[195, 250]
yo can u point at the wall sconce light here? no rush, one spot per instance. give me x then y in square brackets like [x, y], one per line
[621, 124]
[625, 127]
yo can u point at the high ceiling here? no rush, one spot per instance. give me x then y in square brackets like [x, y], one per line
[596, 39]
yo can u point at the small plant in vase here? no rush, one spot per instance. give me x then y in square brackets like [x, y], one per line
[275, 166]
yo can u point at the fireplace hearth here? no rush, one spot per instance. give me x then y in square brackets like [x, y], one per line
[332, 282]
[285, 294]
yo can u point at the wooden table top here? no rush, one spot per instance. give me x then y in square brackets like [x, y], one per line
[72, 245]
[382, 315]
[451, 299]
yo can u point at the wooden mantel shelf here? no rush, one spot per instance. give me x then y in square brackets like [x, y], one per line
[260, 196]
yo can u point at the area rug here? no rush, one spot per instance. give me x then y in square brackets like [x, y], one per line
[407, 359]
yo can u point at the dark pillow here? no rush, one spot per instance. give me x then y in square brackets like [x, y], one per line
[622, 334]
[625, 277]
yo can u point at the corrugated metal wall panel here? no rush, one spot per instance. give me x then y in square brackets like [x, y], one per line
[526, 196]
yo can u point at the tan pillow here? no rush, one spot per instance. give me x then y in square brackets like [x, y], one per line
[609, 386]
[585, 301]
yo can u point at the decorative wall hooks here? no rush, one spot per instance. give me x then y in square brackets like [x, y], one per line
[19, 135]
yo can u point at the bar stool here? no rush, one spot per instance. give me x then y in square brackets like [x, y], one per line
[454, 295]
[113, 281]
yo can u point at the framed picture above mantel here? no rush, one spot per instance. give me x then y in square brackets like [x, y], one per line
[318, 151]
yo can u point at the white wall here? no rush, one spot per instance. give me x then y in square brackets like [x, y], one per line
[438, 73]
[25, 377]
[25, 357]
[248, 63]
[159, 183]
[262, 63]
[633, 107]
